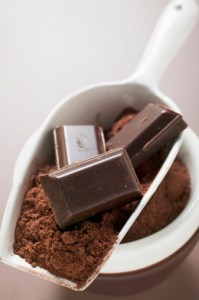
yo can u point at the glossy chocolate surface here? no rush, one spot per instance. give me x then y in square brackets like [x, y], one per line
[148, 132]
[76, 143]
[95, 185]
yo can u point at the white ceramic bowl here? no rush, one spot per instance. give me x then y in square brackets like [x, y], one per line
[100, 105]
[129, 257]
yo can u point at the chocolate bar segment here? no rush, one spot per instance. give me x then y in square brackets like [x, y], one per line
[148, 132]
[92, 186]
[76, 143]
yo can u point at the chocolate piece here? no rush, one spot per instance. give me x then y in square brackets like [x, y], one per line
[76, 143]
[148, 132]
[92, 186]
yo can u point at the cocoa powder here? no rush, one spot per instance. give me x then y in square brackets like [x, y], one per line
[165, 205]
[76, 252]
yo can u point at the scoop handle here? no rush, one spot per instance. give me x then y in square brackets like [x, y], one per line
[174, 25]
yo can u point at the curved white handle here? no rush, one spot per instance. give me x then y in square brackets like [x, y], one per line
[173, 26]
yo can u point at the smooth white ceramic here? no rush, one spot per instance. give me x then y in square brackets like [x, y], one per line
[100, 104]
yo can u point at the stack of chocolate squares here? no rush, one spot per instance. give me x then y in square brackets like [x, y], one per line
[94, 177]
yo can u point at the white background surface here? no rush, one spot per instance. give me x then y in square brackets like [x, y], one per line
[49, 49]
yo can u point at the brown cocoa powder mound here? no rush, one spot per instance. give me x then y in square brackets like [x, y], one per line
[166, 204]
[74, 253]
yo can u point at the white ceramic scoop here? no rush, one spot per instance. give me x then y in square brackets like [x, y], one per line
[101, 104]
